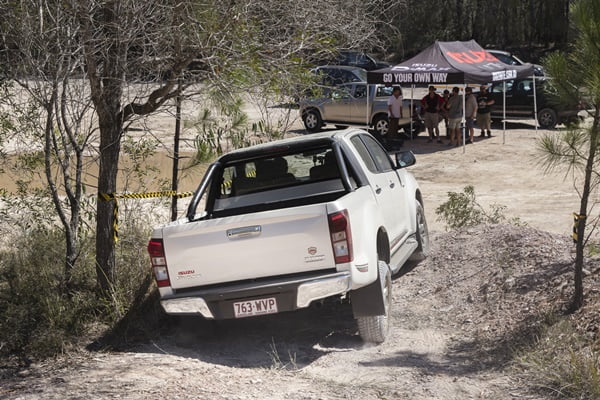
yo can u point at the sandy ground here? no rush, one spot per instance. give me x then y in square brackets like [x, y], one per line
[504, 170]
[432, 352]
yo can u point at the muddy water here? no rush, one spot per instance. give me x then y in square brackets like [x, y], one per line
[154, 171]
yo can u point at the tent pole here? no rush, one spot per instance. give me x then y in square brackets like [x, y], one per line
[464, 120]
[412, 87]
[503, 112]
[535, 104]
[368, 88]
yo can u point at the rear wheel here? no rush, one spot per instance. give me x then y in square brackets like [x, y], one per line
[375, 328]
[312, 121]
[380, 124]
[417, 128]
[547, 118]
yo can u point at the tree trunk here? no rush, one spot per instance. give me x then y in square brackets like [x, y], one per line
[577, 300]
[175, 175]
[110, 143]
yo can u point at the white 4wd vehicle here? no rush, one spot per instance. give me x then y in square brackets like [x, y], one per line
[277, 226]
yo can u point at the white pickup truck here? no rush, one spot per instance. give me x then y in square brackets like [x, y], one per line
[278, 226]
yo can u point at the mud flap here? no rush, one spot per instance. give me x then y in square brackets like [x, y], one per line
[368, 300]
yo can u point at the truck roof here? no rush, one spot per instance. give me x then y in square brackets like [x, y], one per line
[286, 145]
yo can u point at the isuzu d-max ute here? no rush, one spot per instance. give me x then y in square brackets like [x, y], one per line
[278, 226]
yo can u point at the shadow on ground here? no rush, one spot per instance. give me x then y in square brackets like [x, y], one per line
[286, 340]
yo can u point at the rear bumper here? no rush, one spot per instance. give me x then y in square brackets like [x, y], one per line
[291, 294]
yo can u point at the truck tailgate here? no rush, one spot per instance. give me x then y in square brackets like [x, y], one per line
[269, 243]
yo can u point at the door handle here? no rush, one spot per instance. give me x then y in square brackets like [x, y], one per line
[244, 231]
[392, 185]
[378, 190]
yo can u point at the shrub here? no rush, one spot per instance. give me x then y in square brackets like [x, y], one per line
[563, 363]
[37, 317]
[463, 210]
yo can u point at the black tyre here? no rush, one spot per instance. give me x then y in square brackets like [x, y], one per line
[417, 128]
[375, 328]
[380, 125]
[312, 121]
[422, 233]
[547, 118]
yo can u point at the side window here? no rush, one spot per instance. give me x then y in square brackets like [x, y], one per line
[382, 160]
[525, 86]
[360, 91]
[384, 91]
[348, 76]
[364, 153]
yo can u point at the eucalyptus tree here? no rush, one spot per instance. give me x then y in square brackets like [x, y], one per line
[50, 112]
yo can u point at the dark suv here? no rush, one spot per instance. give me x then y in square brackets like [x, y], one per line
[360, 59]
[511, 59]
[334, 75]
[519, 103]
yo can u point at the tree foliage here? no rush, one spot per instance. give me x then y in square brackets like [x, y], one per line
[136, 57]
[519, 25]
[576, 74]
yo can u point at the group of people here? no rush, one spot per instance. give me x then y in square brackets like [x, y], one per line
[449, 108]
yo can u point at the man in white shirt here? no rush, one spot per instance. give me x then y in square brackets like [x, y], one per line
[394, 112]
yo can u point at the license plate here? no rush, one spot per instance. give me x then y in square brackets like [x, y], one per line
[251, 308]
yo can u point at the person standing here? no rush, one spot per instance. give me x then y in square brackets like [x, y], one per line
[394, 112]
[444, 110]
[484, 119]
[470, 112]
[455, 111]
[432, 104]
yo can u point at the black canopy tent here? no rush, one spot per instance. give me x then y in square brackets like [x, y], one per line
[451, 63]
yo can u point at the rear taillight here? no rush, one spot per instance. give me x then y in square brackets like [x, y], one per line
[341, 239]
[159, 262]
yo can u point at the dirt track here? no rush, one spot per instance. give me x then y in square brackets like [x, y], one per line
[452, 315]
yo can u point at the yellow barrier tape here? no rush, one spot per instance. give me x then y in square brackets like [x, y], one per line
[227, 184]
[115, 196]
[576, 218]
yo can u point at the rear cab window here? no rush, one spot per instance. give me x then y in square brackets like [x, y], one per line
[277, 181]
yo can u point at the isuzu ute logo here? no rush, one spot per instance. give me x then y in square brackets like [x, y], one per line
[186, 272]
[312, 251]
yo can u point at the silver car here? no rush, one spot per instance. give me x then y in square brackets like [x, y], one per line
[347, 105]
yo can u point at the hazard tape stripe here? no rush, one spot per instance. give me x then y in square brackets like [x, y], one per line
[576, 218]
[114, 197]
[147, 195]
[227, 184]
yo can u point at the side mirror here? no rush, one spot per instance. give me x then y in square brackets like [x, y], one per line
[405, 159]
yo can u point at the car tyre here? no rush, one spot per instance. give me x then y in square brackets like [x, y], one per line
[417, 129]
[380, 125]
[312, 121]
[375, 328]
[547, 118]
[422, 234]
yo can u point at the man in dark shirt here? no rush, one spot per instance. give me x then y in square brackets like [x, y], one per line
[432, 103]
[484, 120]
